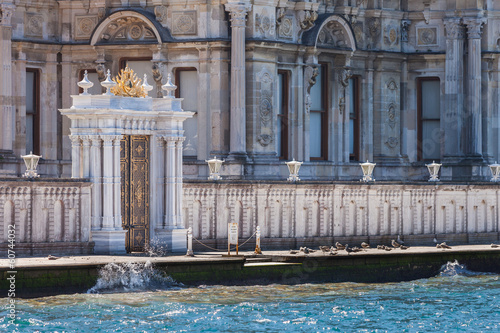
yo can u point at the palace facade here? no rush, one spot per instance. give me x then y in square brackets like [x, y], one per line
[331, 83]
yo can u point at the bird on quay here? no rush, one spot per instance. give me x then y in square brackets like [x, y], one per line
[340, 246]
[395, 244]
[365, 245]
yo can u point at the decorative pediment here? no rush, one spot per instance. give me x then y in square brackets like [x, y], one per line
[333, 34]
[129, 27]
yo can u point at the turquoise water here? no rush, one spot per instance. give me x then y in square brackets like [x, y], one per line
[455, 301]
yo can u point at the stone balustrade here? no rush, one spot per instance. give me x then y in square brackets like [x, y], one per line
[50, 217]
[319, 214]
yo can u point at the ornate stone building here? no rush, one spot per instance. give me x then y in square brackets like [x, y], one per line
[327, 82]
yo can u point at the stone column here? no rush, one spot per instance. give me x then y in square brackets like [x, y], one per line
[238, 11]
[117, 199]
[107, 183]
[178, 183]
[76, 145]
[473, 117]
[86, 156]
[454, 90]
[170, 183]
[6, 109]
[95, 177]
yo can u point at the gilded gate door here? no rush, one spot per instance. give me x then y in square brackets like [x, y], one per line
[134, 168]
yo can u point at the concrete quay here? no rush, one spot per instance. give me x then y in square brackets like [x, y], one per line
[41, 276]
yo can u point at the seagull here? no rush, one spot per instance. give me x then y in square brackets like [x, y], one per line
[304, 249]
[403, 247]
[365, 245]
[380, 247]
[444, 246]
[435, 240]
[395, 244]
[324, 248]
[332, 253]
[494, 245]
[294, 251]
[51, 257]
[348, 249]
[400, 241]
[356, 249]
[340, 246]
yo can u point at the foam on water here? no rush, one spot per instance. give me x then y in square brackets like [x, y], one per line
[125, 277]
[456, 269]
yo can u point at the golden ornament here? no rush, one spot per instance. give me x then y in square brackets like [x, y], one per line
[128, 85]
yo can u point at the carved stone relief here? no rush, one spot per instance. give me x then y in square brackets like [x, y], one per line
[358, 33]
[33, 26]
[265, 136]
[307, 18]
[391, 35]
[333, 35]
[427, 36]
[264, 23]
[310, 74]
[285, 29]
[84, 25]
[392, 142]
[161, 14]
[405, 27]
[391, 115]
[184, 23]
[127, 29]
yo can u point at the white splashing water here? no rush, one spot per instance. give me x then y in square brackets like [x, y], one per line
[456, 269]
[126, 277]
[156, 248]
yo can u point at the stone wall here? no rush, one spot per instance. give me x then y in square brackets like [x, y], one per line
[313, 213]
[50, 217]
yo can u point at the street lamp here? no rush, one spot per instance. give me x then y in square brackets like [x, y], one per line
[31, 162]
[495, 171]
[367, 168]
[293, 168]
[434, 171]
[214, 166]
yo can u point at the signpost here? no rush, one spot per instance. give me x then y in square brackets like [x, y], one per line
[232, 237]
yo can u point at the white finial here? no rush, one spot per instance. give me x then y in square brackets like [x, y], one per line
[146, 86]
[169, 87]
[108, 84]
[85, 84]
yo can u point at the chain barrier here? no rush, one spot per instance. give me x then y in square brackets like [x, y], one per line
[232, 249]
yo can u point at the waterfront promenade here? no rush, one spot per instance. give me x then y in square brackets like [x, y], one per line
[38, 276]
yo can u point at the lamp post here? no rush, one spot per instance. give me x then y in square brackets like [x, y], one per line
[434, 171]
[367, 169]
[214, 166]
[31, 162]
[495, 171]
[293, 168]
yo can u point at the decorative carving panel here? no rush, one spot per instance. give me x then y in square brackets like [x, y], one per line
[84, 25]
[184, 23]
[285, 29]
[127, 29]
[33, 25]
[427, 36]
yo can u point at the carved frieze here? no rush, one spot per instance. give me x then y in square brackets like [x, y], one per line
[184, 23]
[427, 36]
[84, 25]
[33, 26]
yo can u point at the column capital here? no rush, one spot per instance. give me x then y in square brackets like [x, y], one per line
[454, 28]
[238, 11]
[75, 140]
[474, 27]
[6, 11]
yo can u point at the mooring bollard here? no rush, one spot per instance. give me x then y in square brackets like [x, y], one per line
[190, 242]
[257, 241]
